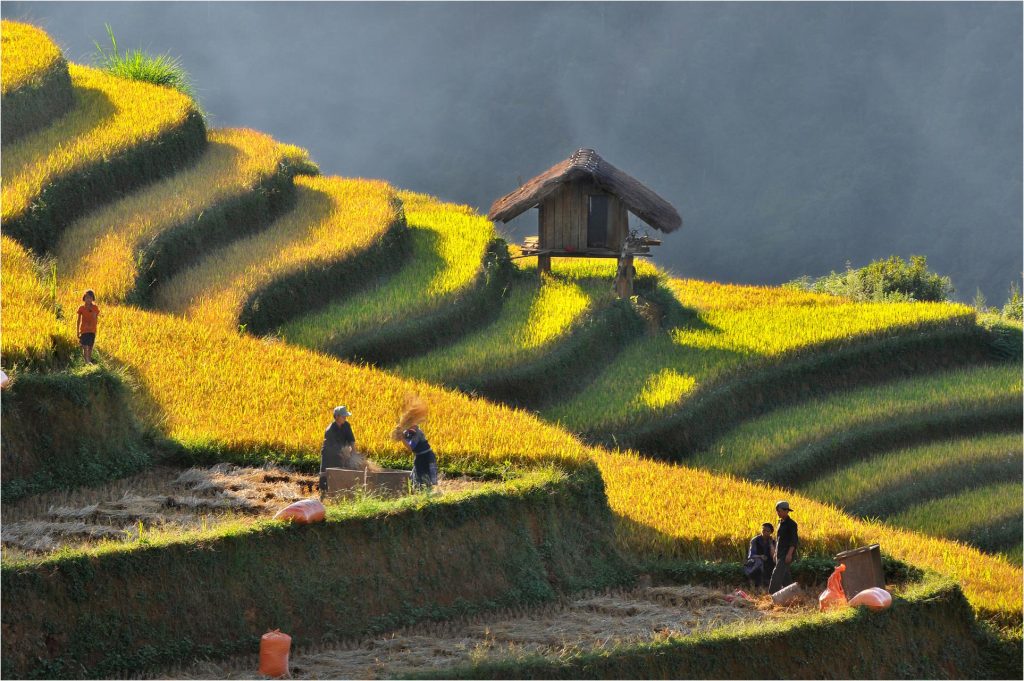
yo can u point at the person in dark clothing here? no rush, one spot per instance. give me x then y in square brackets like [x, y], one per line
[424, 466]
[337, 438]
[761, 557]
[785, 548]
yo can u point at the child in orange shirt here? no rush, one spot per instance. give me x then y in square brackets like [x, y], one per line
[88, 316]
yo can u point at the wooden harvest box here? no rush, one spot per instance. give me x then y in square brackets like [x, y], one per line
[348, 481]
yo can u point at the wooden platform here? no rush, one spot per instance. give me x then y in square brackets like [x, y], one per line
[531, 247]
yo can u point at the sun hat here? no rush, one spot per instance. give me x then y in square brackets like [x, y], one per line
[784, 505]
[341, 411]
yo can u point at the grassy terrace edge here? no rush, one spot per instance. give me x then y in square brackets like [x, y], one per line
[591, 341]
[215, 225]
[118, 610]
[928, 633]
[96, 437]
[466, 309]
[35, 104]
[303, 290]
[88, 186]
[795, 377]
[36, 93]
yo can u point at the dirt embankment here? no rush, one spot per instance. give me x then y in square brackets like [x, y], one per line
[588, 623]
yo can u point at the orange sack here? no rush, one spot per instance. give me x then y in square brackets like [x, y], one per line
[274, 649]
[833, 596]
[874, 598]
[302, 512]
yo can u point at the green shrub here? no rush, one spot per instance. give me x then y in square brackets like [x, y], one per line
[889, 280]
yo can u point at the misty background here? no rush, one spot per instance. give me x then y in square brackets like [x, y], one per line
[791, 137]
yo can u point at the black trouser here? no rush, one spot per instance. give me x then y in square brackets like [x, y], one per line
[781, 578]
[762, 576]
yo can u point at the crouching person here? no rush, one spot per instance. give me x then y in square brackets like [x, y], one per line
[760, 558]
[424, 465]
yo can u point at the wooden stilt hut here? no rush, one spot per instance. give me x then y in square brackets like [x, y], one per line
[583, 211]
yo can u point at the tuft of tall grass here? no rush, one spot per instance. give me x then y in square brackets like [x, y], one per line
[161, 69]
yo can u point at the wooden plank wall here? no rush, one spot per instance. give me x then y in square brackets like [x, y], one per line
[563, 218]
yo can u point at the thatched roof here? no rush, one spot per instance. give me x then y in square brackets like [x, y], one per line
[585, 163]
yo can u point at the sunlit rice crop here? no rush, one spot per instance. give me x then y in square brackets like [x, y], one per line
[101, 250]
[448, 244]
[109, 115]
[26, 56]
[29, 324]
[763, 439]
[332, 219]
[915, 467]
[722, 334]
[969, 514]
[534, 315]
[249, 394]
[670, 511]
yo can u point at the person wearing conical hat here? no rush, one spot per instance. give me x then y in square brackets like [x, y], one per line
[785, 548]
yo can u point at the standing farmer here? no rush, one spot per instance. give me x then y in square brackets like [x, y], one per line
[88, 317]
[424, 465]
[785, 548]
[337, 438]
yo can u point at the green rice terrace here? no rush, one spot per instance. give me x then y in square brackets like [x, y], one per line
[603, 459]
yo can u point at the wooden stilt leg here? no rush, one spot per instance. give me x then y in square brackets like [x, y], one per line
[624, 277]
[544, 263]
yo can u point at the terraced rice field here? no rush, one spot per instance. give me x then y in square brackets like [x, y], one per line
[29, 323]
[109, 116]
[988, 517]
[888, 484]
[105, 250]
[714, 331]
[752, 448]
[220, 395]
[535, 315]
[35, 87]
[448, 243]
[333, 219]
[28, 54]
[671, 511]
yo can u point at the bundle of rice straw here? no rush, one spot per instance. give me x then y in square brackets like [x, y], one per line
[414, 411]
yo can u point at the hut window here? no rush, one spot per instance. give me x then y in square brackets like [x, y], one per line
[597, 221]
